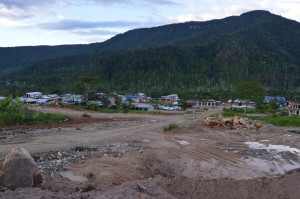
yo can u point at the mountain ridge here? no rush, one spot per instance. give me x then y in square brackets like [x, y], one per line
[210, 57]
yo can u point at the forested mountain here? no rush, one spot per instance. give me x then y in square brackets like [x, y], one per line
[14, 57]
[193, 58]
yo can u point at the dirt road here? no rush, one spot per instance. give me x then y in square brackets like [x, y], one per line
[131, 149]
[145, 125]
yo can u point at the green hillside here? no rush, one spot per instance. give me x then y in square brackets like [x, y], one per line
[193, 59]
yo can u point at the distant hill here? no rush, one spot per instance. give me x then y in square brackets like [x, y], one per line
[189, 58]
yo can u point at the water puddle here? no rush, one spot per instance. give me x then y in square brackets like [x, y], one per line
[272, 147]
[277, 159]
[73, 176]
[182, 142]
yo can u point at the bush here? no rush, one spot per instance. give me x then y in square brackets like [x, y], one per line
[171, 127]
[16, 112]
[93, 107]
[86, 115]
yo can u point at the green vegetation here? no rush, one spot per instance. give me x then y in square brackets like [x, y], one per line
[248, 91]
[16, 112]
[196, 60]
[241, 112]
[171, 127]
[280, 120]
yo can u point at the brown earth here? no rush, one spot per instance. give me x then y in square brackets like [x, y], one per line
[192, 162]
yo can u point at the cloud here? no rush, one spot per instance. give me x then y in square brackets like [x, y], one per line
[94, 32]
[216, 9]
[78, 24]
[23, 4]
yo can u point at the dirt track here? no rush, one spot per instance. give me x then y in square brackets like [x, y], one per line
[173, 162]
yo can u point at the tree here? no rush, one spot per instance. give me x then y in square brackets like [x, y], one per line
[89, 82]
[248, 91]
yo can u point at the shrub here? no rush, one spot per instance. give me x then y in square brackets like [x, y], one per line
[93, 107]
[16, 112]
[86, 115]
[171, 127]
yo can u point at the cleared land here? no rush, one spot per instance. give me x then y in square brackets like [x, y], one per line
[129, 156]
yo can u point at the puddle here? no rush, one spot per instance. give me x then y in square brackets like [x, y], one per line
[278, 161]
[182, 142]
[279, 166]
[73, 176]
[272, 147]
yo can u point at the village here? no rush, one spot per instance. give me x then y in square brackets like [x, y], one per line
[142, 102]
[133, 144]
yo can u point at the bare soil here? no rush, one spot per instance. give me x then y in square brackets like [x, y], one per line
[192, 162]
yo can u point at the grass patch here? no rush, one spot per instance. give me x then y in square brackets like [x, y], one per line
[171, 127]
[279, 120]
[236, 111]
[40, 118]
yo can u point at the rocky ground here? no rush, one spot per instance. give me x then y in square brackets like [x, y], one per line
[129, 156]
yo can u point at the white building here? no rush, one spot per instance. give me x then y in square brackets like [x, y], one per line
[33, 95]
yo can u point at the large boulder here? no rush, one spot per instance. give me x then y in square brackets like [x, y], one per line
[19, 170]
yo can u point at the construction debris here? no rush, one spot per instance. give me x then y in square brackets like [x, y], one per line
[235, 122]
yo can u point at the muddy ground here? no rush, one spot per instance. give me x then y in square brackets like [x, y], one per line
[129, 156]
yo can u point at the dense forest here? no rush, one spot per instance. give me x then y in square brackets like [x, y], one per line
[194, 59]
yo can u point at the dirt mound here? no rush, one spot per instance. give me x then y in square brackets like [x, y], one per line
[235, 122]
[284, 186]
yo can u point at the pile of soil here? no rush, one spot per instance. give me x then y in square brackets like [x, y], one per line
[235, 122]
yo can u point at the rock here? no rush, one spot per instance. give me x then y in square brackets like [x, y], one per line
[141, 188]
[19, 170]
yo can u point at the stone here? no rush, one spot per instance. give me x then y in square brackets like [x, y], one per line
[19, 170]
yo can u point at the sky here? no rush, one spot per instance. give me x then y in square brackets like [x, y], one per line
[56, 22]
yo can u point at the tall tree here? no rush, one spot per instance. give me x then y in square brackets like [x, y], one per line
[89, 83]
[248, 91]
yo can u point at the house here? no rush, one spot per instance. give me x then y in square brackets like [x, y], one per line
[144, 107]
[210, 102]
[43, 101]
[51, 96]
[198, 103]
[280, 100]
[293, 108]
[241, 103]
[28, 100]
[73, 99]
[112, 100]
[170, 98]
[33, 95]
